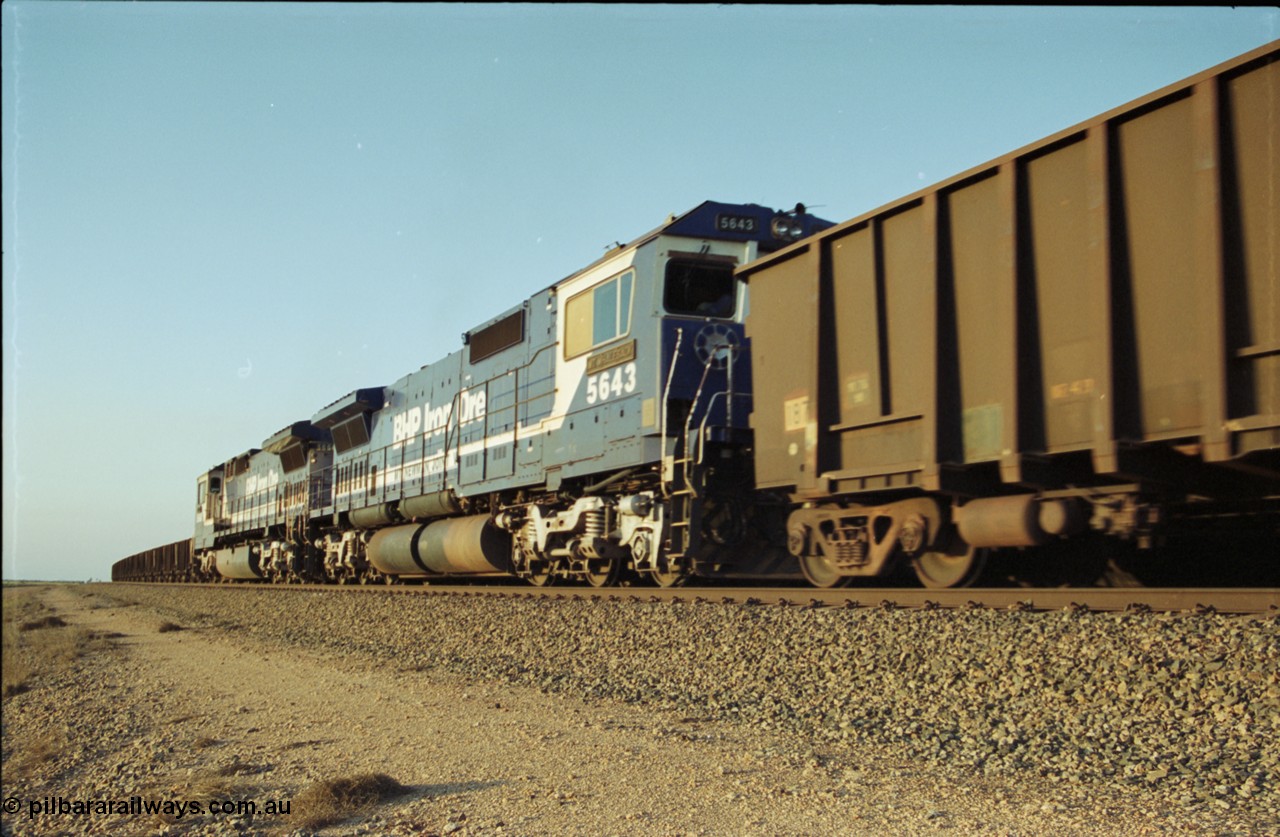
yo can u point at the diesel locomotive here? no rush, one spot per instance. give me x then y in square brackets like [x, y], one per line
[598, 427]
[1074, 346]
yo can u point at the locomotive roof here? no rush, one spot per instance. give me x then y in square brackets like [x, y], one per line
[699, 222]
[352, 404]
[299, 431]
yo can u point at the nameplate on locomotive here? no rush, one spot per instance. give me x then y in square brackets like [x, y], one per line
[611, 357]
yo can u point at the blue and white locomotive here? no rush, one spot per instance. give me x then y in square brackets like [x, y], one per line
[597, 429]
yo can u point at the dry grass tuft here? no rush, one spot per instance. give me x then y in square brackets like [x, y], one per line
[17, 662]
[43, 622]
[204, 741]
[169, 627]
[65, 647]
[17, 672]
[203, 786]
[334, 800]
[30, 652]
[33, 759]
[209, 785]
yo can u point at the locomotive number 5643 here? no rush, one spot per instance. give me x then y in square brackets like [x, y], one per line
[611, 383]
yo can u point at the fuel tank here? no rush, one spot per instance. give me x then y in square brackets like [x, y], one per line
[239, 562]
[459, 546]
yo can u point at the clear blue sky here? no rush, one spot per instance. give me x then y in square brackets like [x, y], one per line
[219, 218]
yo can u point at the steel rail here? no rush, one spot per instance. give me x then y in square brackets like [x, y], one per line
[1263, 600]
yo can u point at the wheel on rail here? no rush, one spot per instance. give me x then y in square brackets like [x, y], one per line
[603, 572]
[667, 576]
[819, 572]
[540, 574]
[955, 564]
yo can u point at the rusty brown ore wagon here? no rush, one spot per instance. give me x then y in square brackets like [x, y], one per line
[171, 562]
[1081, 338]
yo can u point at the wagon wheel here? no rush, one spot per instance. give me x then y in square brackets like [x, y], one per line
[957, 565]
[819, 572]
[603, 572]
[540, 574]
[666, 576]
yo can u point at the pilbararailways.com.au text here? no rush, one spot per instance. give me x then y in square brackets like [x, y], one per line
[136, 806]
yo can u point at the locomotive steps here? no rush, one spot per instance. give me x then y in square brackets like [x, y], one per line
[527, 716]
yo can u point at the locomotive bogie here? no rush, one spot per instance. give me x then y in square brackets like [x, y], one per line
[594, 537]
[344, 556]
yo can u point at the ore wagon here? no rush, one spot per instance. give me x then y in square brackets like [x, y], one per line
[1078, 339]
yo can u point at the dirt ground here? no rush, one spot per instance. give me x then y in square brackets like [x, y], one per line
[159, 713]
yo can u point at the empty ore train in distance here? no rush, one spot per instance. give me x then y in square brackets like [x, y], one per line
[1075, 345]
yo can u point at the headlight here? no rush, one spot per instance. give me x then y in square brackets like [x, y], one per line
[785, 228]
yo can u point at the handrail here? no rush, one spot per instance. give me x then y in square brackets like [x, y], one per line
[324, 487]
[693, 407]
[666, 399]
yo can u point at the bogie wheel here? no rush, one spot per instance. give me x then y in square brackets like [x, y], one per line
[603, 572]
[540, 574]
[667, 576]
[954, 564]
[819, 572]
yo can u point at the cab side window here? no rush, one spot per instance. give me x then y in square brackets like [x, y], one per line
[598, 315]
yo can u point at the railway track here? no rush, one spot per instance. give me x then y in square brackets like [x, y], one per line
[1264, 600]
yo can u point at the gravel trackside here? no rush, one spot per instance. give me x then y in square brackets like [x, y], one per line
[582, 716]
